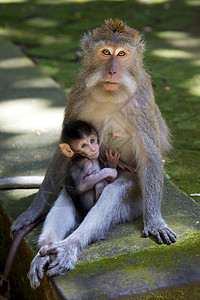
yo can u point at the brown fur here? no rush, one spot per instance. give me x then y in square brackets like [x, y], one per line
[115, 30]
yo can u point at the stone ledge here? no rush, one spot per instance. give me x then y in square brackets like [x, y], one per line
[125, 264]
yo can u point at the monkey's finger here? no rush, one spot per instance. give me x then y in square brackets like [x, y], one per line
[168, 236]
[120, 165]
[131, 170]
[171, 235]
[13, 234]
[43, 252]
[107, 155]
[47, 251]
[110, 152]
[51, 272]
[41, 273]
[146, 232]
[165, 237]
[110, 178]
[171, 232]
[118, 156]
[155, 233]
[116, 152]
[102, 161]
[158, 237]
[40, 270]
[54, 263]
[34, 282]
[56, 270]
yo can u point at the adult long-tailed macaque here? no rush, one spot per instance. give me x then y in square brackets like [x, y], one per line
[114, 94]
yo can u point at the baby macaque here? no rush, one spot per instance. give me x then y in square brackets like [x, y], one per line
[85, 179]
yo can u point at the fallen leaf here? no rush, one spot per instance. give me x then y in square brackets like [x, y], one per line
[167, 88]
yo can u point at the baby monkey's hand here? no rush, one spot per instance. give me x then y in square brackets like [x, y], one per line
[112, 160]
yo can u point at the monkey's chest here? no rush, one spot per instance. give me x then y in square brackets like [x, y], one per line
[115, 132]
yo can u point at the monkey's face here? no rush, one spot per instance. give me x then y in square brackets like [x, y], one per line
[112, 59]
[111, 78]
[87, 146]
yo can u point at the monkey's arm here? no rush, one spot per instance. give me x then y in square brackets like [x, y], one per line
[21, 182]
[99, 187]
[151, 174]
[52, 182]
[87, 182]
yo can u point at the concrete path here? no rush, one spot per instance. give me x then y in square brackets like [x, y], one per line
[124, 265]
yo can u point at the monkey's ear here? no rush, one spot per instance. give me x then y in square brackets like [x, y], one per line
[87, 41]
[142, 46]
[66, 149]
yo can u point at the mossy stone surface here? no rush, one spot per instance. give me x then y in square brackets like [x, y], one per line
[125, 263]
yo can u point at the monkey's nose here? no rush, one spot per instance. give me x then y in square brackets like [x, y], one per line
[112, 72]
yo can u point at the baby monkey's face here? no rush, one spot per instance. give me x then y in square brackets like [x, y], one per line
[87, 146]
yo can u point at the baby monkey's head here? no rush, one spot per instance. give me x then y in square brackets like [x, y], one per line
[79, 138]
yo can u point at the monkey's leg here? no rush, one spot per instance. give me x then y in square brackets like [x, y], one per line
[54, 178]
[60, 221]
[114, 206]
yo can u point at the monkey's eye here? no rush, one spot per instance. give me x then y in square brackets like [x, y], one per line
[83, 145]
[121, 53]
[92, 141]
[106, 52]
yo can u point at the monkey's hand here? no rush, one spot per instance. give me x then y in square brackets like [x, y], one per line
[65, 253]
[160, 231]
[23, 220]
[110, 173]
[112, 160]
[37, 269]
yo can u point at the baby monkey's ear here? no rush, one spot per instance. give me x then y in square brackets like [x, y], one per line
[66, 150]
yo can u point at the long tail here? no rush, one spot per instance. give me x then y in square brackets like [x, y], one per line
[21, 182]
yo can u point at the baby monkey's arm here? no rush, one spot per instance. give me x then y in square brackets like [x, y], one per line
[87, 180]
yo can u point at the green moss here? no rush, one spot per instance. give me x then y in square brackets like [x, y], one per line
[135, 273]
[145, 258]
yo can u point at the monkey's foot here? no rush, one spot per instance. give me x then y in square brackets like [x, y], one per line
[37, 269]
[161, 232]
[65, 253]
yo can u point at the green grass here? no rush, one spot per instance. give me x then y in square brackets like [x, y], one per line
[49, 33]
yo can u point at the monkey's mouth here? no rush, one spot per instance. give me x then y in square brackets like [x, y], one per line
[111, 85]
[96, 155]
